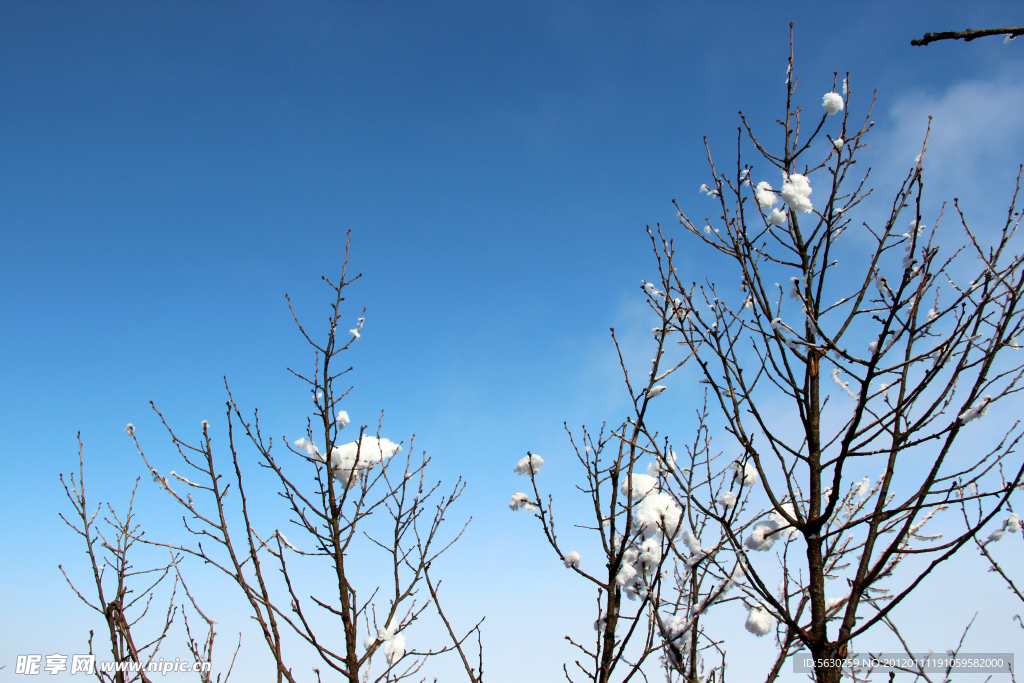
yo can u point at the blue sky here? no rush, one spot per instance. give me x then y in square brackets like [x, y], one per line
[171, 170]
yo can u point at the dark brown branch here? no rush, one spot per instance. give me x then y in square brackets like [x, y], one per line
[967, 35]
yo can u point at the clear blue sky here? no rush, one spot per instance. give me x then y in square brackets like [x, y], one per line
[168, 171]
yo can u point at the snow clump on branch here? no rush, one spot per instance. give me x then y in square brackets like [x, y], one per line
[760, 621]
[1011, 525]
[762, 535]
[657, 514]
[781, 523]
[977, 410]
[350, 459]
[795, 192]
[572, 560]
[521, 500]
[637, 486]
[748, 471]
[662, 464]
[394, 649]
[308, 446]
[765, 196]
[832, 102]
[529, 463]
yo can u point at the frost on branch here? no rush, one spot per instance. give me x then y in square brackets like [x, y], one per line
[530, 464]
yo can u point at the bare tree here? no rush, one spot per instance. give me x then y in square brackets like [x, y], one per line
[118, 597]
[837, 481]
[969, 35]
[364, 499]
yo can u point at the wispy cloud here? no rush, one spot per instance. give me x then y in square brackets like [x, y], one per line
[974, 149]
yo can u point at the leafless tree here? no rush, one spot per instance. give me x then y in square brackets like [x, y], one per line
[118, 597]
[837, 481]
[364, 499]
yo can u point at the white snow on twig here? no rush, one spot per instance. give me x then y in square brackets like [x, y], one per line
[747, 471]
[762, 535]
[655, 391]
[636, 486]
[183, 479]
[656, 515]
[355, 332]
[832, 102]
[777, 217]
[765, 196]
[795, 192]
[521, 501]
[845, 386]
[529, 462]
[394, 649]
[284, 540]
[977, 410]
[760, 621]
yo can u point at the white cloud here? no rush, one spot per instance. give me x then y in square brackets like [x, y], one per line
[974, 149]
